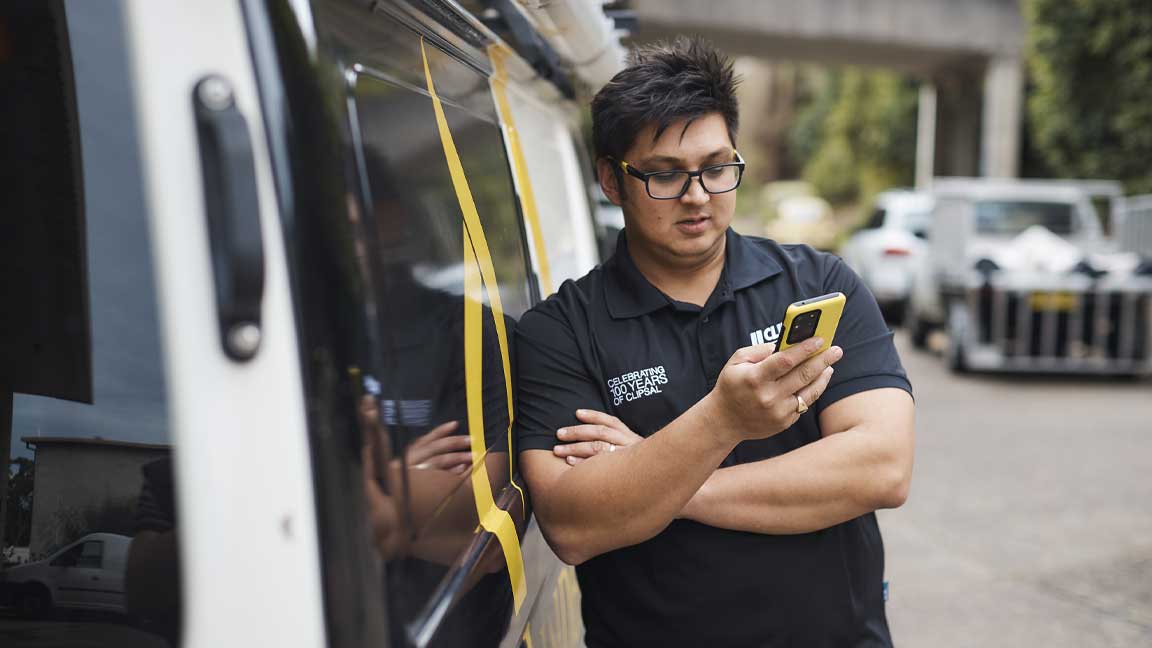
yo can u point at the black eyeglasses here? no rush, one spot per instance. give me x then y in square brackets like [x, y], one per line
[669, 185]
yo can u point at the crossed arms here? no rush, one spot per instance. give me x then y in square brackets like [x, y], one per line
[862, 463]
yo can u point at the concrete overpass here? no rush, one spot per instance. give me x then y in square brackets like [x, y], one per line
[967, 54]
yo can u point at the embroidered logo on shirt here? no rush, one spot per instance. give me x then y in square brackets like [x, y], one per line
[406, 411]
[769, 334]
[635, 385]
[401, 411]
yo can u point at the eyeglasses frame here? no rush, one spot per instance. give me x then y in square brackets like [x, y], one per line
[643, 176]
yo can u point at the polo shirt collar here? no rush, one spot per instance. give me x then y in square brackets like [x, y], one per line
[628, 293]
[747, 264]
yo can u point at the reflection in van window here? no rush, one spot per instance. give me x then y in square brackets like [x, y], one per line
[422, 386]
[88, 525]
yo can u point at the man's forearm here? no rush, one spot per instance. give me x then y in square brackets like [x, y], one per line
[626, 497]
[835, 479]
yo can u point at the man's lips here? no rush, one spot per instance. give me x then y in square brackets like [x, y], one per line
[694, 225]
[693, 219]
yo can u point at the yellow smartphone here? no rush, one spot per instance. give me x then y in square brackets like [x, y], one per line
[818, 316]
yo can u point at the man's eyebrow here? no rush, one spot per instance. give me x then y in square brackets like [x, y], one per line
[660, 159]
[671, 159]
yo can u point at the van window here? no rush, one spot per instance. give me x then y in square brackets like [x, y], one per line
[424, 379]
[84, 432]
[407, 305]
[1013, 217]
[68, 558]
[876, 221]
[91, 555]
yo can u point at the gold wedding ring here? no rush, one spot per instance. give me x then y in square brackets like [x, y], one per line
[801, 406]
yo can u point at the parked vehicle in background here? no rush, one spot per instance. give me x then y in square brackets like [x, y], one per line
[1133, 223]
[793, 213]
[1022, 278]
[885, 250]
[804, 219]
[87, 574]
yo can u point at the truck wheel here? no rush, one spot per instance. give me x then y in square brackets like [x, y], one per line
[919, 331]
[955, 354]
[34, 601]
[957, 358]
[895, 313]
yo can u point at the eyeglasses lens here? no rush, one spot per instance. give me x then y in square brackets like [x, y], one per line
[674, 184]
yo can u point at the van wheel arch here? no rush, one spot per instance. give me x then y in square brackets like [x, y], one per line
[34, 599]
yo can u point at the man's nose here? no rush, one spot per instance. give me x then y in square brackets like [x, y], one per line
[695, 194]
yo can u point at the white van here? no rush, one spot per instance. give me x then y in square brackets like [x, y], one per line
[85, 575]
[261, 263]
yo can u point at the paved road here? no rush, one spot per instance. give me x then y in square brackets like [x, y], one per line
[1030, 518]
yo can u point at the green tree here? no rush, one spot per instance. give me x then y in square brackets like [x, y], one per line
[18, 526]
[1090, 108]
[818, 91]
[858, 134]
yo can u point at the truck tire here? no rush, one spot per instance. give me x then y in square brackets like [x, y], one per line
[955, 354]
[896, 312]
[957, 358]
[919, 330]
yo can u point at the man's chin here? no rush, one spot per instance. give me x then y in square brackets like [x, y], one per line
[698, 244]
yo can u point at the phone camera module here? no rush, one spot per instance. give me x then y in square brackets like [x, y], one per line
[803, 326]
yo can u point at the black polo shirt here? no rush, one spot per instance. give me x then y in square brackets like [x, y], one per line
[612, 341]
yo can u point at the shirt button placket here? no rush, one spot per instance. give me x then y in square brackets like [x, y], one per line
[707, 347]
[702, 348]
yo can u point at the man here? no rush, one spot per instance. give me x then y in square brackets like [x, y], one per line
[712, 507]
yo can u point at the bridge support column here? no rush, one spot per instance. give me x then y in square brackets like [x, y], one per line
[1000, 135]
[958, 110]
[926, 135]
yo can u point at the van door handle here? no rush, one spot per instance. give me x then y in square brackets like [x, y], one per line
[232, 209]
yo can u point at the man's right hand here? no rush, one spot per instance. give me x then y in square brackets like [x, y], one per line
[755, 394]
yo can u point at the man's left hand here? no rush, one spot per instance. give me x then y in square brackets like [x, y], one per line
[599, 433]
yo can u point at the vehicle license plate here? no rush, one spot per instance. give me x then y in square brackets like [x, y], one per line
[1053, 301]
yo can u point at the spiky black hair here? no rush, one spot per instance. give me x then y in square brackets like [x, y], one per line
[664, 82]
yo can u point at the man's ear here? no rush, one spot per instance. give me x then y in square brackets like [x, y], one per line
[609, 181]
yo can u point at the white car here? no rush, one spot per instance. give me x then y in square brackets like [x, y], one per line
[87, 574]
[884, 251]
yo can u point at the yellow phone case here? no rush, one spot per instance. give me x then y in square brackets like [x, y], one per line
[831, 307]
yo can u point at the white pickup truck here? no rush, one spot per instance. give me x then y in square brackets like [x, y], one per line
[87, 574]
[1022, 277]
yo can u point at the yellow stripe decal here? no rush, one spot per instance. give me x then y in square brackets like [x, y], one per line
[492, 518]
[477, 258]
[497, 53]
[487, 270]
